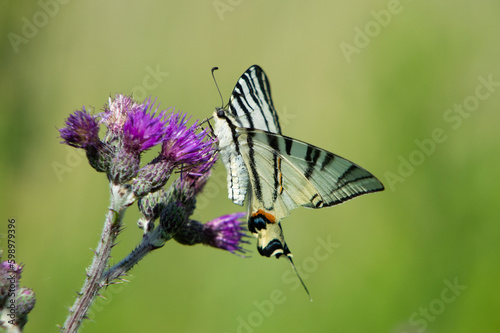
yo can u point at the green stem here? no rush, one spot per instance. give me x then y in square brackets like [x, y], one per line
[150, 242]
[92, 283]
[126, 264]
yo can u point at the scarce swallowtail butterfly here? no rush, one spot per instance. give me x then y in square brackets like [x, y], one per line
[275, 172]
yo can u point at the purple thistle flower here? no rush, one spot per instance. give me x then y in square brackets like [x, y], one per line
[225, 232]
[196, 178]
[117, 112]
[183, 145]
[136, 128]
[81, 130]
[204, 166]
[15, 268]
[139, 126]
[142, 129]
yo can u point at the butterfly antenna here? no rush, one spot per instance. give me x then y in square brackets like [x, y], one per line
[213, 76]
[207, 120]
[298, 275]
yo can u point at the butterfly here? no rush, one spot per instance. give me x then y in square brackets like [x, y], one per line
[274, 172]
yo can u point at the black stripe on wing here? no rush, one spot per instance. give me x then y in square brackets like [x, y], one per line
[265, 87]
[353, 174]
[251, 101]
[312, 156]
[329, 157]
[256, 93]
[274, 144]
[253, 168]
[232, 127]
[240, 108]
[288, 146]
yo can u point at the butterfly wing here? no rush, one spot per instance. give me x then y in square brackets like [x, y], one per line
[285, 173]
[250, 106]
[251, 103]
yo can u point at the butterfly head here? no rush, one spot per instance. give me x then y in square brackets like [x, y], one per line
[220, 113]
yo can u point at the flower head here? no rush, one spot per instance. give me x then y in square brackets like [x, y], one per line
[144, 129]
[225, 232]
[82, 130]
[194, 180]
[183, 145]
[206, 164]
[132, 129]
[117, 112]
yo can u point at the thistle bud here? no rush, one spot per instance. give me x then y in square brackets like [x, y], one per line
[225, 232]
[172, 218]
[15, 302]
[152, 177]
[151, 206]
[10, 274]
[25, 302]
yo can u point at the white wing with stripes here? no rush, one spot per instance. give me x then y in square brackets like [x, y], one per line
[251, 103]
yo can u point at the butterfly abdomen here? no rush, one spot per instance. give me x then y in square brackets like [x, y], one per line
[269, 243]
[274, 248]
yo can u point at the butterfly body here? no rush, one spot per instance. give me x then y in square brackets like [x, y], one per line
[275, 172]
[237, 174]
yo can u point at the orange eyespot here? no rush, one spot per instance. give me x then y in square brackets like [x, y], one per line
[268, 216]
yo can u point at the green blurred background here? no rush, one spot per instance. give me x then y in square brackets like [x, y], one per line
[378, 82]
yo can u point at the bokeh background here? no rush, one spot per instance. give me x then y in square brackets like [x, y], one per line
[399, 87]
